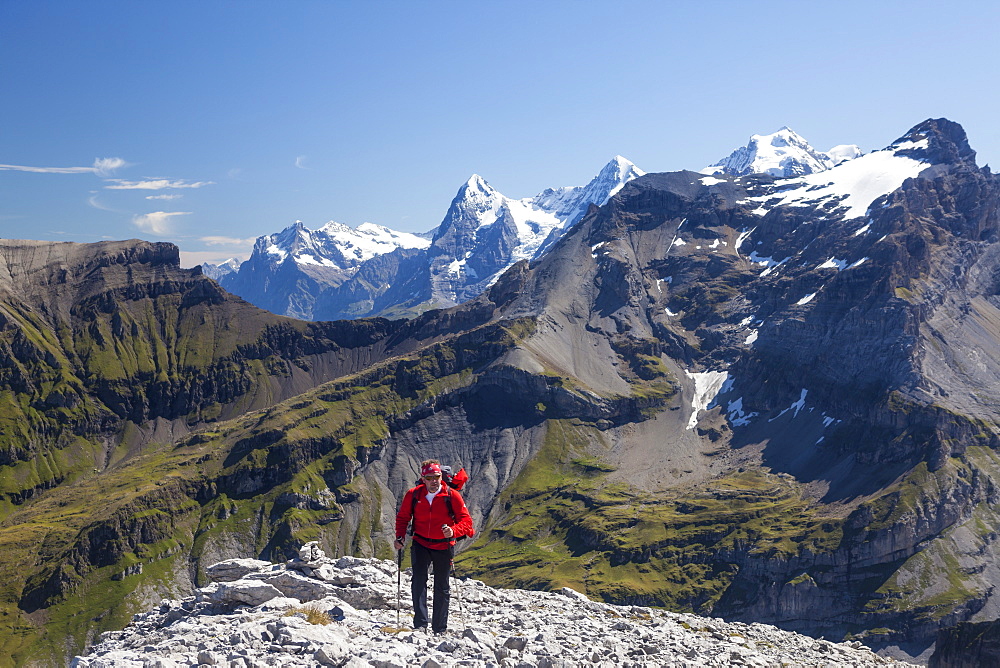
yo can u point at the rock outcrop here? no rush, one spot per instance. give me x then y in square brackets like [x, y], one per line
[967, 645]
[267, 618]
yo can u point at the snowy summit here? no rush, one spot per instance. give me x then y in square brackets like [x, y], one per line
[783, 153]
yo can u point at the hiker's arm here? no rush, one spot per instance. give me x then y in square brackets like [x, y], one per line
[463, 520]
[403, 516]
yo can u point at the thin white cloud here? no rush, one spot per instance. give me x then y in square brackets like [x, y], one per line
[228, 241]
[164, 196]
[101, 167]
[107, 166]
[159, 223]
[97, 204]
[156, 184]
[300, 162]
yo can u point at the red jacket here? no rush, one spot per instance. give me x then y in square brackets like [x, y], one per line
[428, 518]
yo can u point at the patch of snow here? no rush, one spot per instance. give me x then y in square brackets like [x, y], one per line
[768, 262]
[744, 233]
[751, 337]
[710, 180]
[706, 386]
[862, 230]
[796, 406]
[669, 312]
[679, 242]
[911, 145]
[833, 263]
[277, 252]
[858, 263]
[737, 417]
[306, 258]
[856, 183]
[805, 300]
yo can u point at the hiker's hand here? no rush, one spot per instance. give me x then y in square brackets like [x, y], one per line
[398, 544]
[447, 531]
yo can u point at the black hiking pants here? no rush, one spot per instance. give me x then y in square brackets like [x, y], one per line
[422, 558]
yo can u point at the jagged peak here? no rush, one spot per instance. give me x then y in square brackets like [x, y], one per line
[784, 136]
[478, 183]
[333, 226]
[937, 141]
[620, 169]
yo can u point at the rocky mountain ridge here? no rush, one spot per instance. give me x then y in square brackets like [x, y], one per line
[317, 611]
[336, 272]
[323, 274]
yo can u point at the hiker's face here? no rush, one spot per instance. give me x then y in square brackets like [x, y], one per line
[433, 482]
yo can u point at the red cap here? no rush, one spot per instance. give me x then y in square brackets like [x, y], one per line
[430, 469]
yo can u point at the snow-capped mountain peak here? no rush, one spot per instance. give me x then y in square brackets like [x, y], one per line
[333, 245]
[570, 203]
[481, 235]
[217, 271]
[783, 153]
[854, 185]
[477, 201]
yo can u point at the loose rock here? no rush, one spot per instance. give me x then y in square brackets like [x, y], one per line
[261, 618]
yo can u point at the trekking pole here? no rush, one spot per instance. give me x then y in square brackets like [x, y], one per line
[458, 595]
[399, 582]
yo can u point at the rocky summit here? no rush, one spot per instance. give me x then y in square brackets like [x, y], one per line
[317, 611]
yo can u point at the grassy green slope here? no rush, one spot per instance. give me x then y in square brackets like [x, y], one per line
[259, 480]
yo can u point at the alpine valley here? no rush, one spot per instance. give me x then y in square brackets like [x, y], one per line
[767, 392]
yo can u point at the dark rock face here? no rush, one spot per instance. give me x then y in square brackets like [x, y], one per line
[968, 645]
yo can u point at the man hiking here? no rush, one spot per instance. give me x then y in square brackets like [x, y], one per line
[439, 517]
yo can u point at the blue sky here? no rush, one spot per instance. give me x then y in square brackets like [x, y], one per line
[209, 123]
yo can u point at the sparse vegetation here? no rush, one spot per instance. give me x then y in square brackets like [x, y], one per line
[311, 613]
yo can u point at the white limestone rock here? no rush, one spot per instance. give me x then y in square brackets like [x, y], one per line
[260, 621]
[244, 592]
[311, 552]
[296, 585]
[233, 569]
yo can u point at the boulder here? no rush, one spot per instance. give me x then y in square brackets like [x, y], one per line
[231, 570]
[244, 592]
[311, 552]
[296, 585]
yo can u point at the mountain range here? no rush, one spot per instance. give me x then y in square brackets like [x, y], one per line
[338, 272]
[756, 397]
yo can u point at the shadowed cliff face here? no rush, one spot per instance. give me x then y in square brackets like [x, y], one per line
[765, 399]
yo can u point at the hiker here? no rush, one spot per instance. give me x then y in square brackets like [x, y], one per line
[439, 518]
